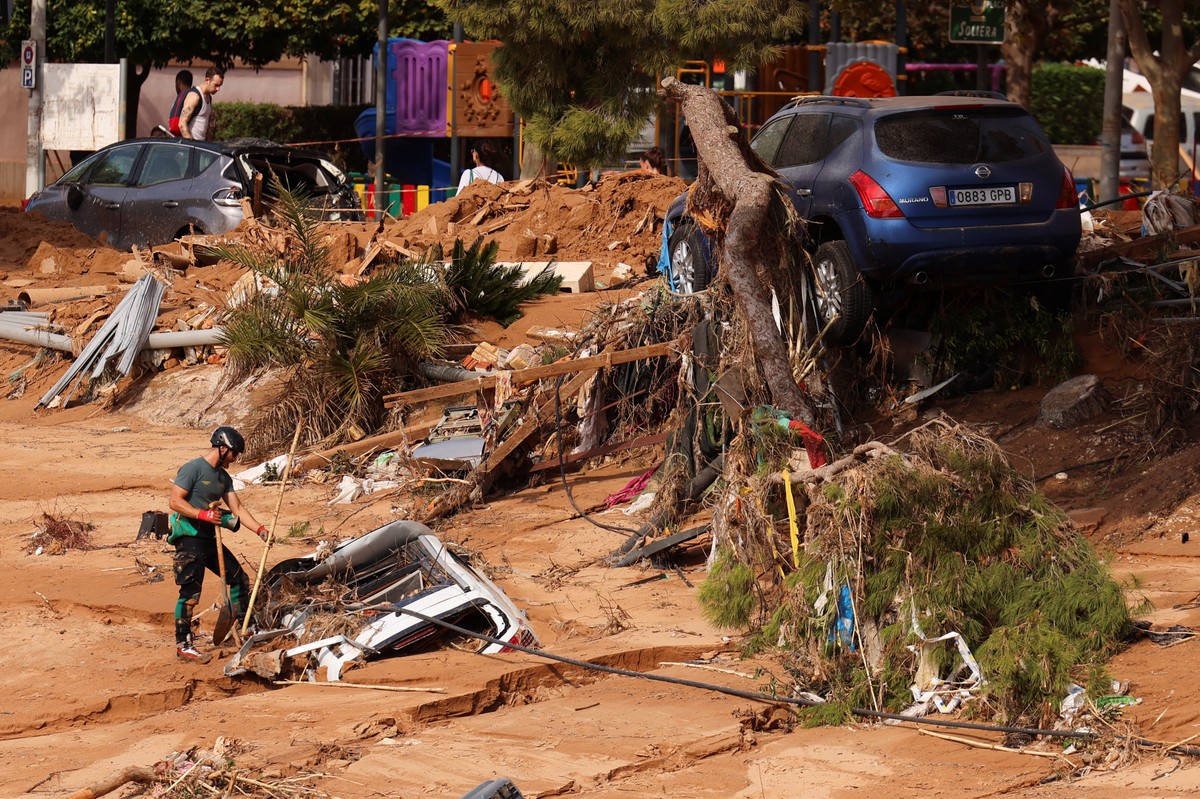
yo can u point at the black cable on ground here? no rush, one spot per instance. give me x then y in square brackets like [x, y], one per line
[795, 701]
[562, 465]
[1115, 200]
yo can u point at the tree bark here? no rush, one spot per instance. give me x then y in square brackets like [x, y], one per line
[747, 203]
[1027, 26]
[138, 73]
[132, 774]
[1165, 72]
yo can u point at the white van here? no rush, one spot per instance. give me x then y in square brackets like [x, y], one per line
[1138, 110]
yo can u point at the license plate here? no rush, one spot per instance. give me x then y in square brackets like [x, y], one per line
[992, 195]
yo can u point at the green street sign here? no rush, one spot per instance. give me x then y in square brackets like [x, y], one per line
[977, 21]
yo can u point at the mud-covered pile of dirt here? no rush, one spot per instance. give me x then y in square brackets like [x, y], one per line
[618, 220]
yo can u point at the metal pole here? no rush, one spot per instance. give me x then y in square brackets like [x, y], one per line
[455, 155]
[381, 81]
[1110, 133]
[981, 67]
[814, 39]
[35, 167]
[110, 32]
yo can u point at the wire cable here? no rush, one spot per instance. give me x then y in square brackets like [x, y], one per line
[794, 701]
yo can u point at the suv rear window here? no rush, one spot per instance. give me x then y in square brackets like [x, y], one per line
[960, 136]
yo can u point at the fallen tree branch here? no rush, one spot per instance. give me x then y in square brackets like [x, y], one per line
[996, 747]
[131, 774]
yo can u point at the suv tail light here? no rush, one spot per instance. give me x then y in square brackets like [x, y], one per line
[1066, 196]
[25, 203]
[875, 200]
[230, 197]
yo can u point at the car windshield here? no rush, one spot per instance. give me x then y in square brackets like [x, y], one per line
[960, 136]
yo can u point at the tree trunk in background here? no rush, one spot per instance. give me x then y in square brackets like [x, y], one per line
[1026, 26]
[1164, 70]
[733, 180]
[135, 79]
[535, 163]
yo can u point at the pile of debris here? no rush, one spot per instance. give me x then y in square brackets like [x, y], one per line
[912, 580]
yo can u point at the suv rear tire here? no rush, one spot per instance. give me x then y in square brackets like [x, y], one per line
[840, 289]
[688, 250]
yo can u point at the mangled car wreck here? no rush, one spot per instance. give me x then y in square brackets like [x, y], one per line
[379, 594]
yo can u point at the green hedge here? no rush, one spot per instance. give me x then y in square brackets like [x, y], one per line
[1068, 102]
[295, 124]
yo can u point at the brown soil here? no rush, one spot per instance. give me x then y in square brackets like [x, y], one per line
[92, 687]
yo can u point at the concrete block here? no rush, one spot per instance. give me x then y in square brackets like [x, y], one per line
[577, 276]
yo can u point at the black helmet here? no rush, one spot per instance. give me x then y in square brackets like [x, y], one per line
[225, 436]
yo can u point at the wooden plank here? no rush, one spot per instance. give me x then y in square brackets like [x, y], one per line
[1141, 247]
[534, 420]
[383, 441]
[530, 375]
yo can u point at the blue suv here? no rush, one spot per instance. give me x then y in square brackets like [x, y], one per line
[903, 192]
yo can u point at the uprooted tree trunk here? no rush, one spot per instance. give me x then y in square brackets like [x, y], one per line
[747, 208]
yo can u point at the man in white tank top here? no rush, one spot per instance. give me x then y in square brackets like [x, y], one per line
[195, 120]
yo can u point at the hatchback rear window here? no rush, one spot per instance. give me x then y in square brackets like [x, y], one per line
[960, 136]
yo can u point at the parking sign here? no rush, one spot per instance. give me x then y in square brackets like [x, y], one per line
[28, 62]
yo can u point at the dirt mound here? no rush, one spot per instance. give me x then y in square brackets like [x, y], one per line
[618, 220]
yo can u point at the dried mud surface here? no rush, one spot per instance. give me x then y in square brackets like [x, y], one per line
[91, 685]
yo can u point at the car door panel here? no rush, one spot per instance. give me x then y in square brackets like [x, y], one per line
[104, 189]
[157, 203]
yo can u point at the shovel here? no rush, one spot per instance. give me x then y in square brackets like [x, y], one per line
[225, 619]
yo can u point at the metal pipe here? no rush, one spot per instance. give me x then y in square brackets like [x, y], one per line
[156, 341]
[185, 338]
[33, 296]
[919, 279]
[1048, 270]
[38, 338]
[444, 373]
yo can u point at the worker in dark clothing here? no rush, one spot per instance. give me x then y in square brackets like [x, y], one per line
[199, 489]
[183, 85]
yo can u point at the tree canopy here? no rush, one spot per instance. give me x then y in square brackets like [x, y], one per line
[582, 75]
[154, 33]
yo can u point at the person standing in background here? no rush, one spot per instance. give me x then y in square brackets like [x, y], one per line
[195, 119]
[652, 161]
[183, 87]
[484, 157]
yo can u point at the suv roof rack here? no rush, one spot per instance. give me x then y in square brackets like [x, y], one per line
[825, 98]
[972, 93]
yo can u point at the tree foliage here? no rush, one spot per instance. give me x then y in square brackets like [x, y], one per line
[1164, 62]
[581, 75]
[154, 33]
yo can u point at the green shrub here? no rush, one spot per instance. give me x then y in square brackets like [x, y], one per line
[1068, 102]
[297, 125]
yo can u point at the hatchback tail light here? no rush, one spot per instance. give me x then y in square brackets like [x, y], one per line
[1066, 196]
[877, 202]
[230, 197]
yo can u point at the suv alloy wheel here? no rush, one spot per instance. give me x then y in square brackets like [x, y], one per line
[840, 291]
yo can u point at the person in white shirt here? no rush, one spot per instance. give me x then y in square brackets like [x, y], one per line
[195, 119]
[483, 157]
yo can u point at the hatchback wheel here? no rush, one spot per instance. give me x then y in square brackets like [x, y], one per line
[689, 258]
[840, 291]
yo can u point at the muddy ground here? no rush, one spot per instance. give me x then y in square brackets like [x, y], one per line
[91, 686]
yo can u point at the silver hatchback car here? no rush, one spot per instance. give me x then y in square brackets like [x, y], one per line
[151, 191]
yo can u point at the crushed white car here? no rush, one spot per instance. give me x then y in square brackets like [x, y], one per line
[358, 603]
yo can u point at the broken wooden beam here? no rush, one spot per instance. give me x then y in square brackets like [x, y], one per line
[533, 420]
[382, 441]
[1142, 247]
[531, 375]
